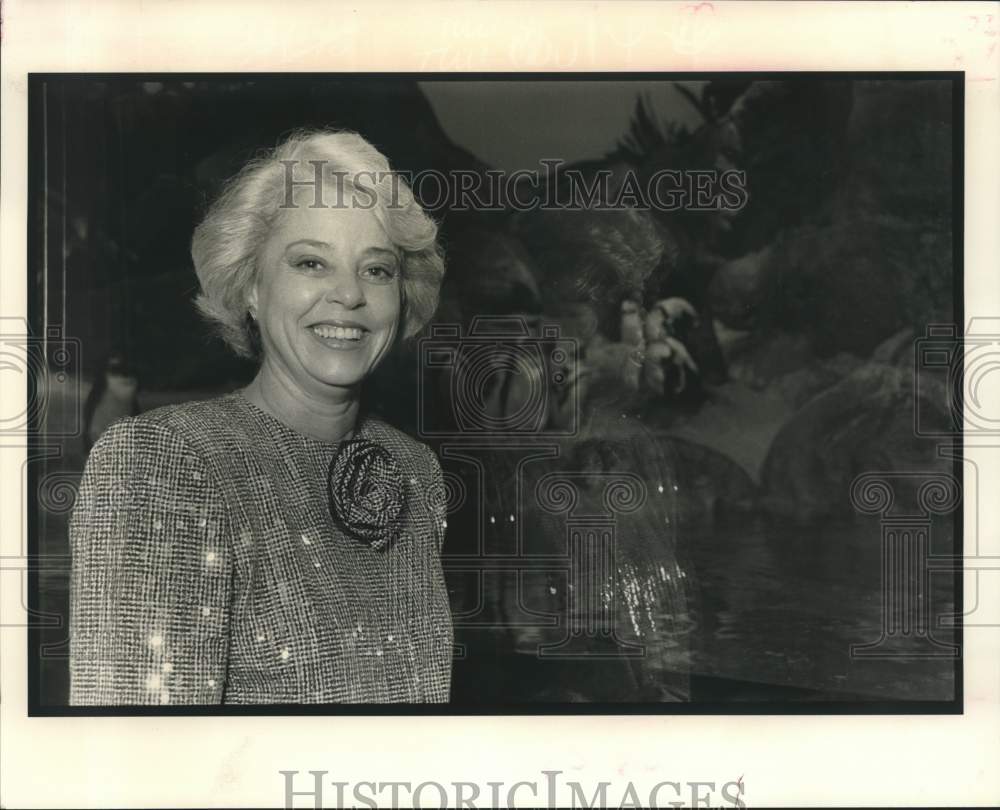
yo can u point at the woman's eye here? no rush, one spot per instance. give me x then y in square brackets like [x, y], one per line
[379, 272]
[309, 264]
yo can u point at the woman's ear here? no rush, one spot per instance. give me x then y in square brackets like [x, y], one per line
[401, 320]
[252, 301]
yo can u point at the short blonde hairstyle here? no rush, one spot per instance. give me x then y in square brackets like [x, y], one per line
[227, 243]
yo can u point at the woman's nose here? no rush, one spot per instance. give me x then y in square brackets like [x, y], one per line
[345, 289]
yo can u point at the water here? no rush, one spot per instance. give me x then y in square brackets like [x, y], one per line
[772, 612]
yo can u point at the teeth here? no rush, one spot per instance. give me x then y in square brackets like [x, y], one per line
[337, 332]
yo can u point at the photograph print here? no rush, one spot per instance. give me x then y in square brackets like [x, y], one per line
[507, 393]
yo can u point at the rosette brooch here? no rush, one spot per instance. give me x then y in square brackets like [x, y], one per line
[366, 493]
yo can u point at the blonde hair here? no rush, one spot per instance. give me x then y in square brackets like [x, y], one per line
[226, 244]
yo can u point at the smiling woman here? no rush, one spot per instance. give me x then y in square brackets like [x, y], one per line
[276, 545]
[327, 307]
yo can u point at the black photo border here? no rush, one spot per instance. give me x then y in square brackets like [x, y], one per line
[805, 707]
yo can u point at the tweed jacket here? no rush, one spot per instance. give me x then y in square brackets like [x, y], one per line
[207, 569]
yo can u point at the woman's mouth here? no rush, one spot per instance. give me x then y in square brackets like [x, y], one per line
[338, 335]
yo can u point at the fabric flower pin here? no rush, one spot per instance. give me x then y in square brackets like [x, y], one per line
[366, 492]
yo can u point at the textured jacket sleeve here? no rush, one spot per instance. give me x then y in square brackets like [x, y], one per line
[437, 497]
[151, 573]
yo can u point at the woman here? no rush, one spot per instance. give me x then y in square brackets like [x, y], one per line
[277, 545]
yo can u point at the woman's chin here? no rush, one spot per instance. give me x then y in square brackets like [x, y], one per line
[340, 379]
[336, 368]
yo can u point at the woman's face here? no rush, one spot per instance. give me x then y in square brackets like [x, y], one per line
[327, 297]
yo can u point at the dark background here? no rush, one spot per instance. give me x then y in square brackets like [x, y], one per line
[810, 300]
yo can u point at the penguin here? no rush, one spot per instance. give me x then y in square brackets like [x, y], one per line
[113, 396]
[665, 355]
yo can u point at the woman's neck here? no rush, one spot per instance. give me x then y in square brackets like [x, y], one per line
[329, 419]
